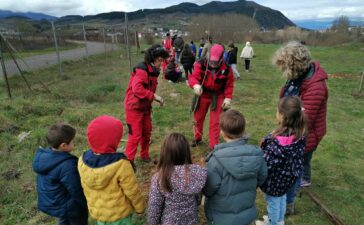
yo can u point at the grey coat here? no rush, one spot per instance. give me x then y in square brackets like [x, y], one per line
[234, 172]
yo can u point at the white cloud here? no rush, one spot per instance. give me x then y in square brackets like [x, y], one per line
[294, 10]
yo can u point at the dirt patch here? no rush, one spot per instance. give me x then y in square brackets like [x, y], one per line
[341, 76]
[11, 174]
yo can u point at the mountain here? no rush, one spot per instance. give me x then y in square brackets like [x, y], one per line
[266, 17]
[30, 15]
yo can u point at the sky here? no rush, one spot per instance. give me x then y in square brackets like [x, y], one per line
[293, 9]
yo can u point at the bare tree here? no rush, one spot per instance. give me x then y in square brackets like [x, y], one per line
[341, 24]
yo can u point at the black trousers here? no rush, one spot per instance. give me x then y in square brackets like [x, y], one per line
[247, 64]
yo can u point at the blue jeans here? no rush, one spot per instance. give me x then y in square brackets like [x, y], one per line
[276, 207]
[292, 191]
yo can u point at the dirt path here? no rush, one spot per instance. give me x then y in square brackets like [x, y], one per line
[42, 61]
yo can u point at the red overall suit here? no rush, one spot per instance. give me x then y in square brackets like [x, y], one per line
[167, 44]
[138, 104]
[217, 86]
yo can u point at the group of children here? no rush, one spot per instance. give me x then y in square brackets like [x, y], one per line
[102, 181]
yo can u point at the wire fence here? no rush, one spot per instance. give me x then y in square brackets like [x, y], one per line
[59, 43]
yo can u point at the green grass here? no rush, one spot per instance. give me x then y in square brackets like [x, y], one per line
[85, 93]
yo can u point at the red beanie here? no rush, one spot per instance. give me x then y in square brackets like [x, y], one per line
[104, 134]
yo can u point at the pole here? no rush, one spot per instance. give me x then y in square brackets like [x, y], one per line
[57, 50]
[137, 42]
[361, 82]
[104, 34]
[3, 67]
[85, 40]
[127, 40]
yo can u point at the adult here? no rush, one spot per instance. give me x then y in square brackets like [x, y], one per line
[167, 42]
[232, 59]
[247, 54]
[140, 94]
[178, 45]
[187, 60]
[213, 83]
[307, 80]
[193, 48]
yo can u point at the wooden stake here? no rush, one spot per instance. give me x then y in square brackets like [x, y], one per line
[3, 67]
[361, 82]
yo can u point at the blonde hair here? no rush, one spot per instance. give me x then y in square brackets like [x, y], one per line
[293, 59]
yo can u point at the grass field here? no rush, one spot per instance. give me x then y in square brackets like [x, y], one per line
[84, 93]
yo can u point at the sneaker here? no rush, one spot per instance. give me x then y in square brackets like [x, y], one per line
[196, 142]
[259, 222]
[305, 183]
[289, 209]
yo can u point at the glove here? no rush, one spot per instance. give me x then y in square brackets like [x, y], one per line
[226, 104]
[159, 99]
[197, 89]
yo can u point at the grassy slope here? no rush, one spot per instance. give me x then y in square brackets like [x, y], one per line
[88, 92]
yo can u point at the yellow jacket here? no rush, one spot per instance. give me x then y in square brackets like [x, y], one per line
[112, 191]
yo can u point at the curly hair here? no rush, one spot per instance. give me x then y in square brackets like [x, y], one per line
[293, 59]
[154, 52]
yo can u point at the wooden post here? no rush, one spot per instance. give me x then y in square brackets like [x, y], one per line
[137, 42]
[3, 67]
[85, 39]
[361, 82]
[57, 50]
[127, 40]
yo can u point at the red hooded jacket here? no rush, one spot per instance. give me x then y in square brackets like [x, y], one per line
[221, 82]
[314, 95]
[141, 88]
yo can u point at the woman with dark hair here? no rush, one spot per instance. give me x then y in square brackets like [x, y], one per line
[187, 60]
[176, 186]
[138, 101]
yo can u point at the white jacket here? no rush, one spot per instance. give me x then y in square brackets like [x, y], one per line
[247, 52]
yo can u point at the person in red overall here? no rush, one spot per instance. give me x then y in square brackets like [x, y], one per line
[167, 44]
[138, 101]
[213, 83]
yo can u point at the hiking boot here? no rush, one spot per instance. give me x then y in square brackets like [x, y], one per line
[289, 209]
[146, 160]
[305, 183]
[196, 142]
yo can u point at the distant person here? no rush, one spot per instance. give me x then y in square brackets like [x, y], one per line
[234, 171]
[176, 186]
[232, 59]
[200, 50]
[187, 60]
[283, 151]
[167, 42]
[247, 54]
[173, 73]
[108, 178]
[59, 187]
[307, 80]
[140, 94]
[178, 46]
[206, 47]
[212, 82]
[193, 48]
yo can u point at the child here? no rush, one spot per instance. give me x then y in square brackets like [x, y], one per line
[232, 59]
[234, 170]
[283, 152]
[172, 72]
[200, 50]
[187, 60]
[107, 177]
[58, 182]
[176, 187]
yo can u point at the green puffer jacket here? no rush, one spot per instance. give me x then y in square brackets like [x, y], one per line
[234, 172]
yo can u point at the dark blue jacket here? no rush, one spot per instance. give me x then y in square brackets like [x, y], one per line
[284, 162]
[234, 171]
[58, 183]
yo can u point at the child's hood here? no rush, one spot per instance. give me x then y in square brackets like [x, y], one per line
[104, 134]
[284, 145]
[238, 158]
[47, 159]
[188, 179]
[97, 172]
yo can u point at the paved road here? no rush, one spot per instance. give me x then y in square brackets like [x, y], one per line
[42, 61]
